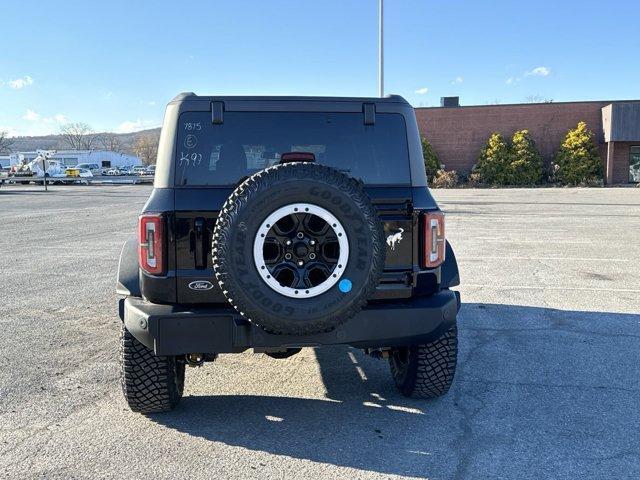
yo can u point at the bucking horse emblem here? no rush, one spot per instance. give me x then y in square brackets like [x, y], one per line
[395, 238]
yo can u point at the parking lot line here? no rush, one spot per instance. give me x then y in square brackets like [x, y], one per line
[577, 259]
[544, 287]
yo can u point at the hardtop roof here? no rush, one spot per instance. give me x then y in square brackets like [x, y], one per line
[190, 96]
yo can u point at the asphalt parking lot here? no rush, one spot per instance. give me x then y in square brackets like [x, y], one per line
[548, 383]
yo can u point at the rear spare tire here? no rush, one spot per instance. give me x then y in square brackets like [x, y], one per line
[298, 248]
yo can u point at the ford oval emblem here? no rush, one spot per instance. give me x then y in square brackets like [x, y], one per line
[201, 285]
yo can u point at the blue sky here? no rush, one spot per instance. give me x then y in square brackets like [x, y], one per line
[115, 64]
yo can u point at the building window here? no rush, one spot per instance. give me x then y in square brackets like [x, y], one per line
[634, 164]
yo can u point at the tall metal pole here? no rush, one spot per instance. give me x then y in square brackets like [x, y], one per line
[381, 48]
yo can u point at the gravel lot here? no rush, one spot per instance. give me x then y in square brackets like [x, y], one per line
[548, 384]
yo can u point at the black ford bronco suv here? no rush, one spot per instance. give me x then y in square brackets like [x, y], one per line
[277, 223]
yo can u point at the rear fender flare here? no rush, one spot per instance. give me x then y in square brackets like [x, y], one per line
[128, 281]
[449, 275]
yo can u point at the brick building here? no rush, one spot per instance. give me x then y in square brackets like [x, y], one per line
[458, 133]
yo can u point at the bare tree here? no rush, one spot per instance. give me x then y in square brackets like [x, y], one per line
[109, 141]
[147, 148]
[79, 136]
[537, 99]
[5, 142]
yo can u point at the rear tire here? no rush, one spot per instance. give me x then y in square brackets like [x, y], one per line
[426, 370]
[150, 383]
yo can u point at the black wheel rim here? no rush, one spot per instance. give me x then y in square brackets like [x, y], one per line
[301, 249]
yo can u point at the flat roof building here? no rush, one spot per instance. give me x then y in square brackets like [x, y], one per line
[70, 158]
[458, 133]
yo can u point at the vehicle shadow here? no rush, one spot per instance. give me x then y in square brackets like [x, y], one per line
[538, 392]
[357, 425]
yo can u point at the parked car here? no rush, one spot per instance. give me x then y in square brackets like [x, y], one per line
[138, 170]
[316, 228]
[150, 170]
[93, 167]
[78, 172]
[115, 171]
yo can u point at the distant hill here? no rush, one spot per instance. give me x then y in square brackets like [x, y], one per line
[56, 142]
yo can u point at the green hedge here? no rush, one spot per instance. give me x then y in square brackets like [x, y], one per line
[431, 162]
[501, 162]
[577, 162]
[518, 162]
[525, 167]
[493, 161]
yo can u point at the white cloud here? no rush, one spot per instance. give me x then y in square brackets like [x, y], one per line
[11, 132]
[31, 116]
[152, 103]
[422, 91]
[34, 129]
[538, 72]
[457, 80]
[38, 124]
[19, 83]
[134, 126]
[535, 72]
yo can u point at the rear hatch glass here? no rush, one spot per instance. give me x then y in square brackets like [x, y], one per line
[223, 154]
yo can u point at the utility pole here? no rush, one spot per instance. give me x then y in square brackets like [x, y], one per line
[381, 48]
[44, 169]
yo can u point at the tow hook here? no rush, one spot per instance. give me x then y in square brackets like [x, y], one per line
[194, 359]
[378, 353]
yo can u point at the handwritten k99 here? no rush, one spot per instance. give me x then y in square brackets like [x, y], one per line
[190, 159]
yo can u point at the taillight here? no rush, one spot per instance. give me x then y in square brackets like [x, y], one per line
[151, 246]
[433, 238]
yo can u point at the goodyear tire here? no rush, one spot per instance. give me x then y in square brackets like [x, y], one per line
[150, 383]
[426, 370]
[298, 248]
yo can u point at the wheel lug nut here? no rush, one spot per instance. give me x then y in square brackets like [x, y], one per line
[288, 242]
[300, 263]
[312, 256]
[287, 256]
[312, 242]
[300, 235]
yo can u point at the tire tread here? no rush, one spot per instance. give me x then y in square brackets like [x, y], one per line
[265, 179]
[430, 368]
[150, 383]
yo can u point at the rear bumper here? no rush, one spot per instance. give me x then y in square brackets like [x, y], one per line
[176, 330]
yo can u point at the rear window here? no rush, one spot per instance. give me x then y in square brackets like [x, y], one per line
[209, 154]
